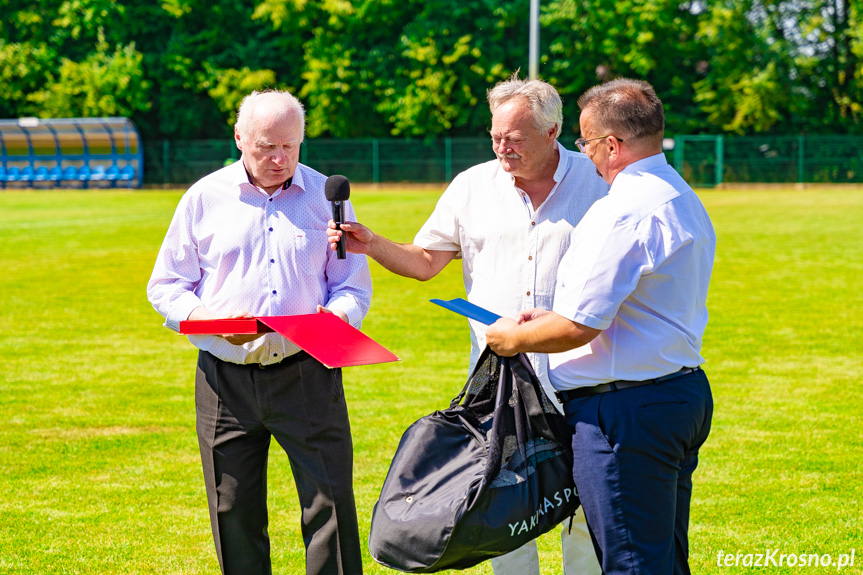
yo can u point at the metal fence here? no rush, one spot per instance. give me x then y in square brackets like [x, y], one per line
[714, 160]
[703, 160]
[367, 160]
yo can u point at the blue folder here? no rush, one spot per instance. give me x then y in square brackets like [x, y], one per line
[467, 309]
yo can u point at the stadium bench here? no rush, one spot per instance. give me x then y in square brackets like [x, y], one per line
[73, 152]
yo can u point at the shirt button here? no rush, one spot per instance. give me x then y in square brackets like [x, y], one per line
[530, 257]
[271, 229]
[272, 261]
[274, 292]
[531, 223]
[528, 293]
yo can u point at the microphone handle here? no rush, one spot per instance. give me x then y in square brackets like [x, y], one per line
[338, 218]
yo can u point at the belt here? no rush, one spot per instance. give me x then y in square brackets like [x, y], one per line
[284, 361]
[569, 394]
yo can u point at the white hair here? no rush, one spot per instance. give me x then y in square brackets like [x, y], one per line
[545, 104]
[281, 102]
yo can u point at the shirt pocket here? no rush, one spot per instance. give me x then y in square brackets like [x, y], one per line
[311, 247]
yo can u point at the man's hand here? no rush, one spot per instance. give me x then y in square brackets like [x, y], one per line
[530, 314]
[201, 312]
[337, 312]
[357, 237]
[538, 331]
[499, 337]
[406, 260]
[241, 338]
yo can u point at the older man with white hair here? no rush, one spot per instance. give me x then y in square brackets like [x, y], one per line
[245, 241]
[509, 220]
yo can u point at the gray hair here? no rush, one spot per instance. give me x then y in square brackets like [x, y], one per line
[544, 101]
[283, 101]
[626, 107]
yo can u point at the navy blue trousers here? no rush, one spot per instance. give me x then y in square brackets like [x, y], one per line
[634, 453]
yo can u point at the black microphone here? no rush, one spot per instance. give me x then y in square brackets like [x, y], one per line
[338, 190]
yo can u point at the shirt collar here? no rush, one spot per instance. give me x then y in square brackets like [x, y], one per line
[648, 164]
[563, 163]
[636, 170]
[240, 177]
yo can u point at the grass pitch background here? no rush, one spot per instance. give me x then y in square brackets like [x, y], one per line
[99, 467]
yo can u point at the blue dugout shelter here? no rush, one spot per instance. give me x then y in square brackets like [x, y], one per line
[73, 153]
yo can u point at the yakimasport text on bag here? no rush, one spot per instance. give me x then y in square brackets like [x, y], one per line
[541, 510]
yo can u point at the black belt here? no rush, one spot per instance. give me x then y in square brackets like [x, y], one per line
[579, 392]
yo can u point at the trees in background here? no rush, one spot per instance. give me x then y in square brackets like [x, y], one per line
[421, 68]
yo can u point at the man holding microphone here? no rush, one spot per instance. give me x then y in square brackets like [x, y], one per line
[509, 220]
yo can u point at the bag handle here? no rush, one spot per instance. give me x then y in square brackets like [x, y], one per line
[501, 402]
[457, 399]
[529, 390]
[480, 362]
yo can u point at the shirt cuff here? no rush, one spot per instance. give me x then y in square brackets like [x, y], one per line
[579, 316]
[180, 310]
[433, 244]
[348, 306]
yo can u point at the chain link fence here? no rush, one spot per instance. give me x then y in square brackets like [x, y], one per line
[703, 160]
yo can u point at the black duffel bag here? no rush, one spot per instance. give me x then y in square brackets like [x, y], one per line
[479, 479]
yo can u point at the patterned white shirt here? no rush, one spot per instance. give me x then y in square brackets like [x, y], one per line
[231, 246]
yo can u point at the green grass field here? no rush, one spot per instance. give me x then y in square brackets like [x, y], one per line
[99, 466]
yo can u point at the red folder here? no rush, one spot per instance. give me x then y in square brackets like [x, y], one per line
[324, 336]
[222, 326]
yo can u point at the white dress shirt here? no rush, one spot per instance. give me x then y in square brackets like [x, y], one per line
[231, 246]
[510, 253]
[638, 268]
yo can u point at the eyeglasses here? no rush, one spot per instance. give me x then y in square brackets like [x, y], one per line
[581, 142]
